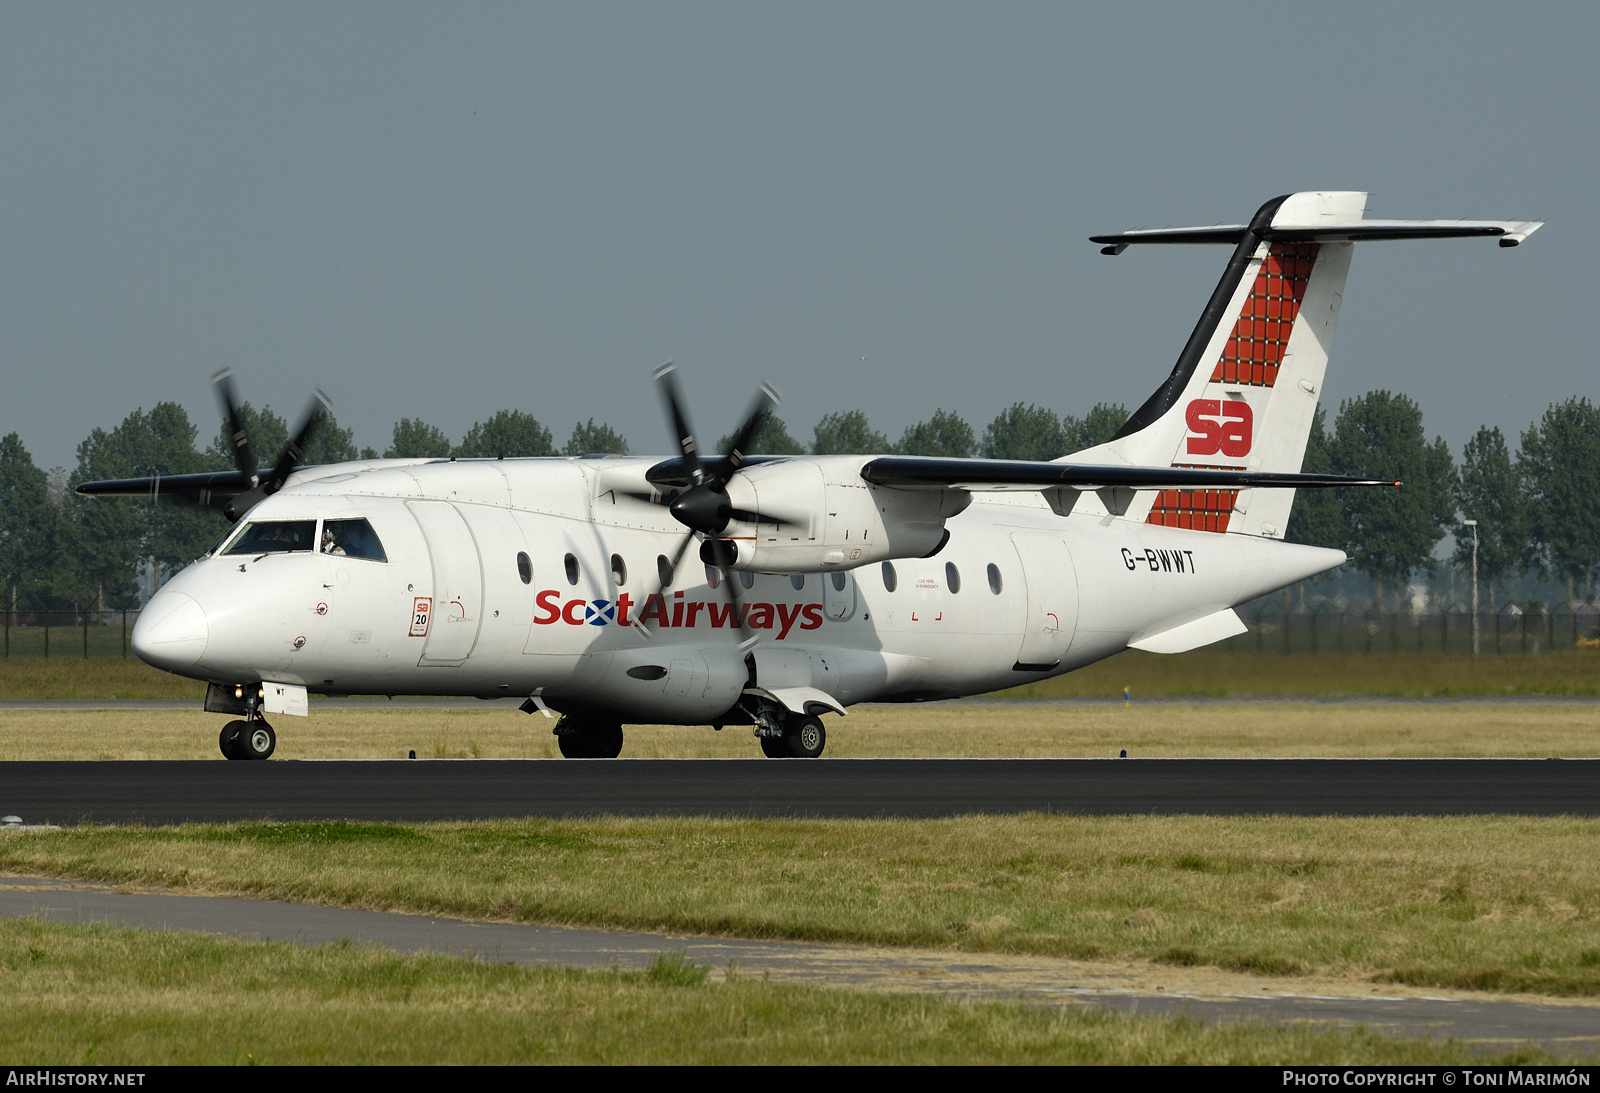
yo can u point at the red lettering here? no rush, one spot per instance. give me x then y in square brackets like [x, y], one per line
[1199, 419]
[787, 618]
[1229, 436]
[760, 616]
[654, 605]
[1237, 422]
[694, 609]
[624, 604]
[573, 612]
[813, 614]
[721, 614]
[677, 609]
[548, 600]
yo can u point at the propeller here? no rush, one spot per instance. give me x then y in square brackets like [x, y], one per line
[704, 507]
[244, 457]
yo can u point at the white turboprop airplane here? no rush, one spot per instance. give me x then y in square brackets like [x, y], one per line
[827, 580]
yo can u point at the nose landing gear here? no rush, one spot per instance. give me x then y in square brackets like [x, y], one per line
[253, 739]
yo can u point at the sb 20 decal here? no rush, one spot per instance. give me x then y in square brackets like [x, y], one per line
[1224, 427]
[421, 615]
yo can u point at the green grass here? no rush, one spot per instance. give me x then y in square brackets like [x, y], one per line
[1510, 904]
[1149, 675]
[60, 677]
[108, 996]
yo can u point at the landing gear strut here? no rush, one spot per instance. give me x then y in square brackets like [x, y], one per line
[253, 739]
[581, 738]
[803, 738]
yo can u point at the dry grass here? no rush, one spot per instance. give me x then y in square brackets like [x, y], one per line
[109, 996]
[1207, 673]
[1146, 730]
[1508, 904]
[1400, 675]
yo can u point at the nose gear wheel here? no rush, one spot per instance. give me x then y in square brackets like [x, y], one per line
[247, 740]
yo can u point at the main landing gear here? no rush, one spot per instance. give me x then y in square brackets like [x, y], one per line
[253, 739]
[797, 738]
[585, 738]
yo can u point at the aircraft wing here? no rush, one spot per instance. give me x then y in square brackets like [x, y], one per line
[206, 488]
[926, 472]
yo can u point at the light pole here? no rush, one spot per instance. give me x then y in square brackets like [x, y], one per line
[1473, 524]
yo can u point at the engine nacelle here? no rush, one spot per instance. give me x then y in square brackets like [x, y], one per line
[824, 516]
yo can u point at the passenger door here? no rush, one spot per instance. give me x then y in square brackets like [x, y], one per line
[839, 595]
[1052, 591]
[457, 584]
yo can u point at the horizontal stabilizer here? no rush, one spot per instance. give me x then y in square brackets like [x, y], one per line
[1324, 217]
[930, 472]
[1192, 635]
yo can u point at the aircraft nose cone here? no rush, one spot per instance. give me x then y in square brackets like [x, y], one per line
[171, 632]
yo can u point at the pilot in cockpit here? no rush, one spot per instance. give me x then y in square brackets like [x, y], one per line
[330, 542]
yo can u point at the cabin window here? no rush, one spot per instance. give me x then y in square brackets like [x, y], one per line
[664, 570]
[619, 570]
[952, 577]
[276, 537]
[572, 569]
[798, 580]
[838, 580]
[713, 576]
[524, 567]
[352, 539]
[995, 584]
[748, 580]
[889, 579]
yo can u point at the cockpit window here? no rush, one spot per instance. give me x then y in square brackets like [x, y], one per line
[275, 537]
[352, 539]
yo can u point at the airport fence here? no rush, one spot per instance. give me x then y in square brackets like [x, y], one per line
[66, 633]
[1328, 628]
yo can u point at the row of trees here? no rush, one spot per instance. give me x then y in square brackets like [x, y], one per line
[1537, 508]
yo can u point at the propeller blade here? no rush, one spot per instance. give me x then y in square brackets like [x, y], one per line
[748, 516]
[244, 457]
[765, 401]
[730, 581]
[672, 398]
[293, 451]
[661, 593]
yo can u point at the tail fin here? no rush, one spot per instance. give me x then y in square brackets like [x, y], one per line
[1244, 391]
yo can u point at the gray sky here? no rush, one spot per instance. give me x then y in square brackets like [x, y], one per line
[439, 211]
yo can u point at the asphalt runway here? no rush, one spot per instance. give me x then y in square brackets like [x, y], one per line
[213, 791]
[1484, 1022]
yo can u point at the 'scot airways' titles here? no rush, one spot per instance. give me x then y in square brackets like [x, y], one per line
[782, 617]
